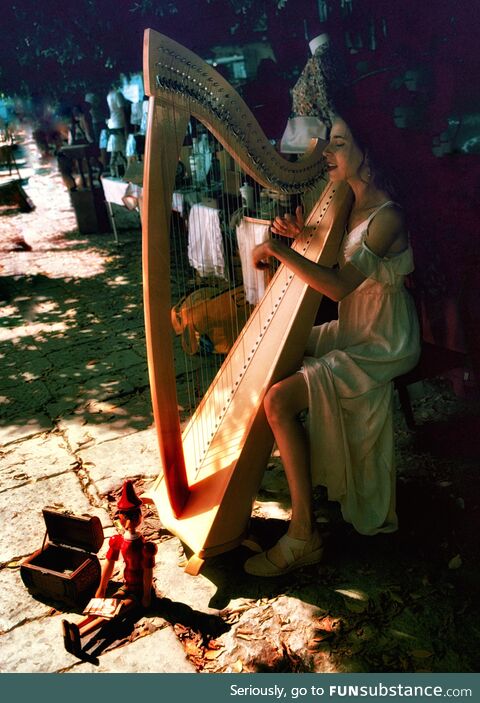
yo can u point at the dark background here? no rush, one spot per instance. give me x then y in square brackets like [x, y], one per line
[416, 64]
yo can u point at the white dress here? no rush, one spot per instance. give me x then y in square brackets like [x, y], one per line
[349, 366]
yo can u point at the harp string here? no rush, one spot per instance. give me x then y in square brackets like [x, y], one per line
[196, 372]
[200, 369]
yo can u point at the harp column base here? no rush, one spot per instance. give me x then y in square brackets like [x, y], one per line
[194, 565]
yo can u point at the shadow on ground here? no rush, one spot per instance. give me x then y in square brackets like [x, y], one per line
[406, 602]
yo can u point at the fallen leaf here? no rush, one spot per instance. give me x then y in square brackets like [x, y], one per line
[421, 654]
[192, 650]
[456, 562]
[238, 666]
[214, 645]
[321, 635]
[212, 653]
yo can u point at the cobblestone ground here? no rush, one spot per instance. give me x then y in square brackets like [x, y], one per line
[75, 421]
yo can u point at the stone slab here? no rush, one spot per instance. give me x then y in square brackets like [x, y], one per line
[156, 653]
[110, 463]
[172, 582]
[23, 526]
[17, 606]
[35, 647]
[265, 631]
[19, 429]
[35, 458]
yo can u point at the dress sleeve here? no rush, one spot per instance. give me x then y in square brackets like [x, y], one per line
[114, 547]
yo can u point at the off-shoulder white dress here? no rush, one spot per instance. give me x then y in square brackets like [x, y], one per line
[349, 366]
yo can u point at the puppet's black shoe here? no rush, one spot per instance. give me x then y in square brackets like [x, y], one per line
[71, 638]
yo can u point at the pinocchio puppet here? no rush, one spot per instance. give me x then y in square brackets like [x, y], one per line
[139, 558]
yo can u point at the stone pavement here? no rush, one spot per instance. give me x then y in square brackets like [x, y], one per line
[75, 421]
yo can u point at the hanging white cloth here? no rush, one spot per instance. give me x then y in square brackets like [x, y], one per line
[249, 234]
[205, 244]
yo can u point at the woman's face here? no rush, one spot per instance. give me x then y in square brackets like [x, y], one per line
[344, 158]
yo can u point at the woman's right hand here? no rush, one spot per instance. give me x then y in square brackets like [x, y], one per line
[289, 226]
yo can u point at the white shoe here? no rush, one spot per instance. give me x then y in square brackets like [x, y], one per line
[296, 552]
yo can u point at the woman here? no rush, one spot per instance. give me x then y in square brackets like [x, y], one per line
[345, 381]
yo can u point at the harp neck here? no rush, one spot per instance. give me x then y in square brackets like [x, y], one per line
[178, 77]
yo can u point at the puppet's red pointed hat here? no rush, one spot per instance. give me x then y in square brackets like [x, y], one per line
[129, 499]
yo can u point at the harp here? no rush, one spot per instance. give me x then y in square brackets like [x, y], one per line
[211, 471]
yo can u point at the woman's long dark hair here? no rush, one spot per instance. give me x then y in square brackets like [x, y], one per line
[379, 140]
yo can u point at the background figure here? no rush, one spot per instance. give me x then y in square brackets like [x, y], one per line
[48, 131]
[81, 127]
[97, 113]
[313, 97]
[117, 124]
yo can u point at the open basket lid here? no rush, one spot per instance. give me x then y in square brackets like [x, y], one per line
[82, 531]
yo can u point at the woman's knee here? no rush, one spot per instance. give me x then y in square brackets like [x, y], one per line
[277, 404]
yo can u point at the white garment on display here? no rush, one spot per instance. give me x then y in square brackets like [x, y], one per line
[116, 142]
[205, 243]
[131, 146]
[249, 234]
[136, 113]
[116, 105]
[143, 121]
[299, 132]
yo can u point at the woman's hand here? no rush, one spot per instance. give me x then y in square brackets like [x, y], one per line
[261, 254]
[289, 226]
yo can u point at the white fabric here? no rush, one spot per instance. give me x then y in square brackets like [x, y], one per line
[116, 103]
[103, 139]
[131, 146]
[299, 132]
[114, 189]
[205, 244]
[143, 122]
[136, 113]
[349, 367]
[249, 234]
[183, 199]
[116, 142]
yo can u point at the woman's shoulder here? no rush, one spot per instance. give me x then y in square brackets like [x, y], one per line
[387, 232]
[389, 215]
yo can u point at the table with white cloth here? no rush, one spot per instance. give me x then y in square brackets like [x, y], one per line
[129, 195]
[119, 192]
[251, 232]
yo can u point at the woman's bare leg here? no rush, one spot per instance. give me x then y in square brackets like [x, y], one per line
[283, 403]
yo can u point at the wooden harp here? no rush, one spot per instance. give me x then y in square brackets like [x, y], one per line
[209, 478]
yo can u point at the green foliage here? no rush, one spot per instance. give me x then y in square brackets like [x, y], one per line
[56, 49]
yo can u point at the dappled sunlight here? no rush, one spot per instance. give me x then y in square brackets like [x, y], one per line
[119, 281]
[353, 594]
[71, 326]
[7, 335]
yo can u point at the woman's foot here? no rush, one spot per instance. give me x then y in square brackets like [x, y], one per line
[285, 556]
